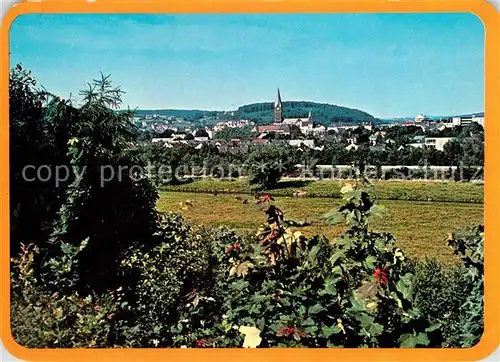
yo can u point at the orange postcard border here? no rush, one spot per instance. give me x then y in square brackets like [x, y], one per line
[485, 11]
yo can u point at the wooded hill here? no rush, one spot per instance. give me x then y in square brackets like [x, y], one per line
[263, 113]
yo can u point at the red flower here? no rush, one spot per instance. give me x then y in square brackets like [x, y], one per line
[233, 247]
[266, 197]
[381, 275]
[297, 333]
[285, 331]
[289, 331]
[199, 343]
[272, 236]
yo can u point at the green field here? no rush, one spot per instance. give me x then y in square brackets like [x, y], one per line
[462, 192]
[420, 227]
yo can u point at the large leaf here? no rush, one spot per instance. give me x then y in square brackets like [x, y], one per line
[411, 341]
[329, 288]
[317, 308]
[375, 329]
[405, 285]
[368, 290]
[365, 320]
[328, 331]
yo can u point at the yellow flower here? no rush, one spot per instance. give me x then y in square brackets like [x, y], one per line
[347, 188]
[252, 336]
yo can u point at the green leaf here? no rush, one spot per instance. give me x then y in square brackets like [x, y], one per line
[329, 288]
[370, 262]
[337, 270]
[358, 305]
[408, 341]
[311, 329]
[261, 323]
[433, 327]
[411, 341]
[308, 322]
[376, 329]
[405, 285]
[423, 339]
[334, 217]
[302, 310]
[317, 308]
[364, 319]
[339, 254]
[328, 331]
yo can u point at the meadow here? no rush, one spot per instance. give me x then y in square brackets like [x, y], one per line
[461, 192]
[421, 228]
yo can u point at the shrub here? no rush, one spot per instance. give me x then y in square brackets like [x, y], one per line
[440, 295]
[453, 296]
[41, 319]
[309, 292]
[469, 244]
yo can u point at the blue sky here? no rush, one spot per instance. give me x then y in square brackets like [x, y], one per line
[386, 64]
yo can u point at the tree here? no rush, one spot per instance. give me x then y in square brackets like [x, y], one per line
[108, 205]
[201, 133]
[266, 164]
[453, 152]
[165, 134]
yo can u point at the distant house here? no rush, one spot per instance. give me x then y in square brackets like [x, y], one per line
[437, 142]
[165, 140]
[305, 124]
[318, 130]
[420, 118]
[179, 135]
[259, 141]
[274, 128]
[201, 139]
[352, 146]
[468, 119]
[299, 143]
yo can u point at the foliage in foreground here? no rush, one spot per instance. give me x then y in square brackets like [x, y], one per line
[200, 288]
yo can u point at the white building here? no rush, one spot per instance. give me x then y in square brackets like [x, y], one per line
[298, 143]
[305, 124]
[201, 139]
[468, 119]
[318, 130]
[164, 140]
[437, 142]
[420, 118]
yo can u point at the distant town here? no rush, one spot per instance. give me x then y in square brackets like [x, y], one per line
[300, 131]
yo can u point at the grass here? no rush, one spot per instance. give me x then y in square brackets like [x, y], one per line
[421, 228]
[462, 192]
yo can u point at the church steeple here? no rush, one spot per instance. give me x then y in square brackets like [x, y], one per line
[278, 98]
[278, 109]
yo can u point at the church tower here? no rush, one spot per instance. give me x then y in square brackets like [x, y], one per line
[278, 109]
